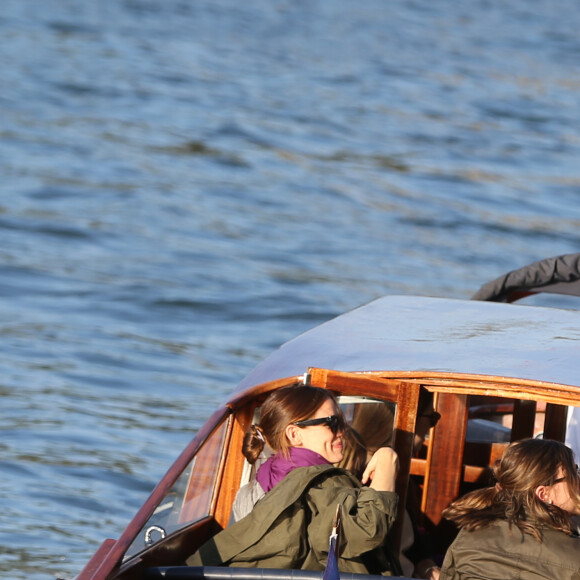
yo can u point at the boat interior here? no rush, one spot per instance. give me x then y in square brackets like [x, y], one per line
[479, 416]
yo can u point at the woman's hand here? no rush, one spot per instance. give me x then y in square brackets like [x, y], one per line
[382, 469]
[427, 569]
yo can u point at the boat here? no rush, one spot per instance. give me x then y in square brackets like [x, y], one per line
[498, 372]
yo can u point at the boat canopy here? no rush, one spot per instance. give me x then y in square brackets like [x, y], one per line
[558, 275]
[404, 333]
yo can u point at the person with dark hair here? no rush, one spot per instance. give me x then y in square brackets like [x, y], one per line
[355, 453]
[297, 491]
[522, 527]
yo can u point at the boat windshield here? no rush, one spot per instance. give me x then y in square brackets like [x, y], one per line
[189, 500]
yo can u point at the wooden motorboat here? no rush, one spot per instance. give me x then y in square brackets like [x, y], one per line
[522, 359]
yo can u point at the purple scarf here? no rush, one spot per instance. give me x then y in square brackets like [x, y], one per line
[277, 467]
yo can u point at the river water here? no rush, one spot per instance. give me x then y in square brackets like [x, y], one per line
[186, 184]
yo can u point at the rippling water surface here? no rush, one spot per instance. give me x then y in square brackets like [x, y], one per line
[188, 184]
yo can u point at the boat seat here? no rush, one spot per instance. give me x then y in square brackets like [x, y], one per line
[226, 573]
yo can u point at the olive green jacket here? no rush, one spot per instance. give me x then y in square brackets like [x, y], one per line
[289, 528]
[498, 553]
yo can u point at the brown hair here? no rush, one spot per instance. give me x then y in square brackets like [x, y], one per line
[374, 423]
[282, 408]
[355, 452]
[524, 466]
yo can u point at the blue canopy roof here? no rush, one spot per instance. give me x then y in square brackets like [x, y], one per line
[403, 333]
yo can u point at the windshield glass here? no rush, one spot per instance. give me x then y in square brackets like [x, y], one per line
[190, 497]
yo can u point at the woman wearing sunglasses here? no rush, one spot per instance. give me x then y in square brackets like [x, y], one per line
[296, 492]
[522, 527]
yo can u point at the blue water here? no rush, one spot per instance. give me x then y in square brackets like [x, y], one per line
[187, 184]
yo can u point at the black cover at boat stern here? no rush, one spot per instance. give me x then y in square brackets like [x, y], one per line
[559, 275]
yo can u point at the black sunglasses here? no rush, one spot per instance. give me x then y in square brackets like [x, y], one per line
[334, 422]
[564, 478]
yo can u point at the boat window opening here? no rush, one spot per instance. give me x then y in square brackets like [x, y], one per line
[370, 426]
[491, 424]
[494, 422]
[495, 417]
[189, 499]
[371, 419]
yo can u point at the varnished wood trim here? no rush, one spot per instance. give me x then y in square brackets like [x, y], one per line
[233, 465]
[445, 455]
[523, 420]
[555, 422]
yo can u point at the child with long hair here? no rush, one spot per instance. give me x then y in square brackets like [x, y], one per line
[522, 527]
